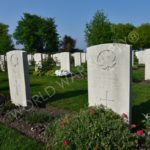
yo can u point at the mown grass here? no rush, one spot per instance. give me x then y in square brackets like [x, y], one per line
[10, 139]
[71, 94]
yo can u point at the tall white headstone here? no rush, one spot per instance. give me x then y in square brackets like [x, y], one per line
[2, 63]
[140, 56]
[18, 77]
[147, 64]
[109, 68]
[65, 61]
[38, 61]
[77, 58]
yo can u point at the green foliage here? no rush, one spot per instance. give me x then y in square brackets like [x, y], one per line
[121, 32]
[37, 34]
[37, 117]
[80, 70]
[98, 31]
[48, 67]
[5, 39]
[138, 75]
[144, 35]
[90, 129]
[68, 44]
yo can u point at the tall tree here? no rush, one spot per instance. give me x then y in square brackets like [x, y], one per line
[122, 32]
[98, 30]
[143, 33]
[6, 43]
[68, 44]
[37, 34]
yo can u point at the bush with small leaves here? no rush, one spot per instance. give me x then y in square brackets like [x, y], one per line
[92, 129]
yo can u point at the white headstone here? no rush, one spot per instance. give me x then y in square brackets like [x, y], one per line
[140, 55]
[56, 57]
[65, 61]
[45, 56]
[2, 63]
[109, 68]
[38, 61]
[77, 58]
[18, 77]
[147, 64]
[83, 57]
[30, 59]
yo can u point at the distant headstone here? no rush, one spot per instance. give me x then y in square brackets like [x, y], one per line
[83, 57]
[147, 64]
[45, 56]
[65, 61]
[56, 57]
[38, 61]
[109, 68]
[77, 58]
[140, 55]
[2, 62]
[18, 77]
[30, 59]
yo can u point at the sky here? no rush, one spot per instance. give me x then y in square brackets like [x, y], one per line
[71, 16]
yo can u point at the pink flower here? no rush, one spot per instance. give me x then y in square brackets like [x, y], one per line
[133, 126]
[66, 142]
[123, 115]
[139, 132]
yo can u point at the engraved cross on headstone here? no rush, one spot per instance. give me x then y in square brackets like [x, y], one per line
[106, 99]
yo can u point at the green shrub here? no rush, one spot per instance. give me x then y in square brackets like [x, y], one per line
[80, 70]
[91, 129]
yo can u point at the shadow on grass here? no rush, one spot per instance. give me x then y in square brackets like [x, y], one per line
[42, 101]
[139, 110]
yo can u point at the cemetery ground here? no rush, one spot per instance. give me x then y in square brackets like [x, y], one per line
[59, 96]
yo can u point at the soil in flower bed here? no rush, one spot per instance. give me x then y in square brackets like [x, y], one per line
[27, 122]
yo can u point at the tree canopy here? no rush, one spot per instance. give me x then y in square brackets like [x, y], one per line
[98, 30]
[6, 43]
[37, 34]
[68, 44]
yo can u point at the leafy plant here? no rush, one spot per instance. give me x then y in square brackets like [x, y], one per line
[93, 128]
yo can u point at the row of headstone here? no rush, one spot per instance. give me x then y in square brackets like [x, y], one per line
[109, 76]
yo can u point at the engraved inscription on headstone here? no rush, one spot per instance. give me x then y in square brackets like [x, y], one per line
[109, 68]
[18, 77]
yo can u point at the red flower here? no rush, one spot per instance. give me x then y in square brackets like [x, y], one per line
[66, 142]
[96, 148]
[139, 132]
[123, 115]
[133, 126]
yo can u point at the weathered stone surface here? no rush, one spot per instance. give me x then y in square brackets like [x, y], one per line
[65, 61]
[109, 68]
[18, 77]
[45, 56]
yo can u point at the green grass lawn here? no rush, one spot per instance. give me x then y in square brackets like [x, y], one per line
[73, 95]
[12, 140]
